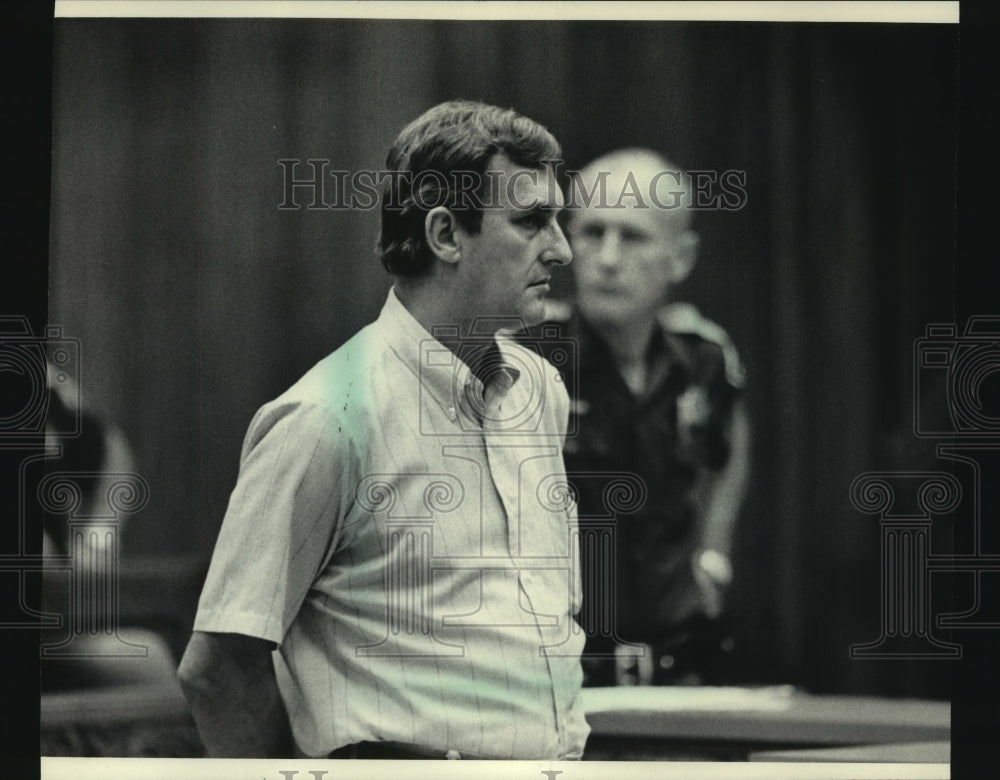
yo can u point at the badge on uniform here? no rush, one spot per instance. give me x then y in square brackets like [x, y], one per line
[693, 408]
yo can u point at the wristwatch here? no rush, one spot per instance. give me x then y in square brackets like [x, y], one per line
[715, 564]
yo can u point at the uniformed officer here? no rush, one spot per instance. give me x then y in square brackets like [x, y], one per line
[659, 461]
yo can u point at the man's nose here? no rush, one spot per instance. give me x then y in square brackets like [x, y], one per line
[560, 252]
[609, 251]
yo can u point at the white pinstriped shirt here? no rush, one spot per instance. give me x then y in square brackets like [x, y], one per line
[410, 550]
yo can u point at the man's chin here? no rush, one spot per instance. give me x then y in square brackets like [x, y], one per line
[533, 313]
[602, 309]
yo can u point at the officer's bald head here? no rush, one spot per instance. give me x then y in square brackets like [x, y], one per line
[635, 177]
[629, 228]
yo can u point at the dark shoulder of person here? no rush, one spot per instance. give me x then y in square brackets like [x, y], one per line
[716, 378]
[712, 356]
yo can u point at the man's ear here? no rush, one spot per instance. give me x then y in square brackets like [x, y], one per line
[684, 255]
[439, 232]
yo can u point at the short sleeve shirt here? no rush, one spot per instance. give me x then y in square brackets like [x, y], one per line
[403, 533]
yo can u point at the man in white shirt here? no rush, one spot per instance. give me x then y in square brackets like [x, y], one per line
[396, 574]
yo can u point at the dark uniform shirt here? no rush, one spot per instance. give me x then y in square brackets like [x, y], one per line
[635, 464]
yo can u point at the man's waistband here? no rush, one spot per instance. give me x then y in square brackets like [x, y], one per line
[387, 749]
[396, 750]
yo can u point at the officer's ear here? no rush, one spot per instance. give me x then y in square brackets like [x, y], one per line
[440, 234]
[683, 255]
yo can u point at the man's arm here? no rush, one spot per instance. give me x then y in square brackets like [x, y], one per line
[721, 502]
[229, 682]
[727, 487]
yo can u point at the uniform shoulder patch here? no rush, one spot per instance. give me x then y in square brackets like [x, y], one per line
[684, 318]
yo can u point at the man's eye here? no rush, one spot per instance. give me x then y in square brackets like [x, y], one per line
[633, 236]
[592, 231]
[536, 220]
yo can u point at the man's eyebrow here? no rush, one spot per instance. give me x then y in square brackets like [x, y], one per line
[540, 207]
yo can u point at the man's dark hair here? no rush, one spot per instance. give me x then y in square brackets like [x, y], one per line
[443, 151]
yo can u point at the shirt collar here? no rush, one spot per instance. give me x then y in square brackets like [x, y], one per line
[667, 362]
[439, 369]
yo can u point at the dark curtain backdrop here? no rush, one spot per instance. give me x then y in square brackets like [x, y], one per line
[196, 299]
